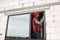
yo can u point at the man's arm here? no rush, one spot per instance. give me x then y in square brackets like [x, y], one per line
[39, 22]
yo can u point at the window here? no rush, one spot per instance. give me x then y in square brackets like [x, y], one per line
[22, 26]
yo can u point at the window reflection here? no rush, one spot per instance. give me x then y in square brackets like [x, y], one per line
[18, 26]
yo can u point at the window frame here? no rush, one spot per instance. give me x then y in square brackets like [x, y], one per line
[29, 27]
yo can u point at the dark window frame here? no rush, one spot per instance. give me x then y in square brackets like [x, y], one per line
[6, 38]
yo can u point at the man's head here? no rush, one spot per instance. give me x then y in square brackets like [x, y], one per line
[36, 14]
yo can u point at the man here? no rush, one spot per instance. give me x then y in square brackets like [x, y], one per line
[36, 25]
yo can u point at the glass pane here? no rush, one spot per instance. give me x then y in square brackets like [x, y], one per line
[18, 26]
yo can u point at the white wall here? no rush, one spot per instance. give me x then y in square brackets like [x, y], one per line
[53, 23]
[13, 4]
[52, 26]
[3, 21]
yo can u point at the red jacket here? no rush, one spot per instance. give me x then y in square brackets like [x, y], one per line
[33, 25]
